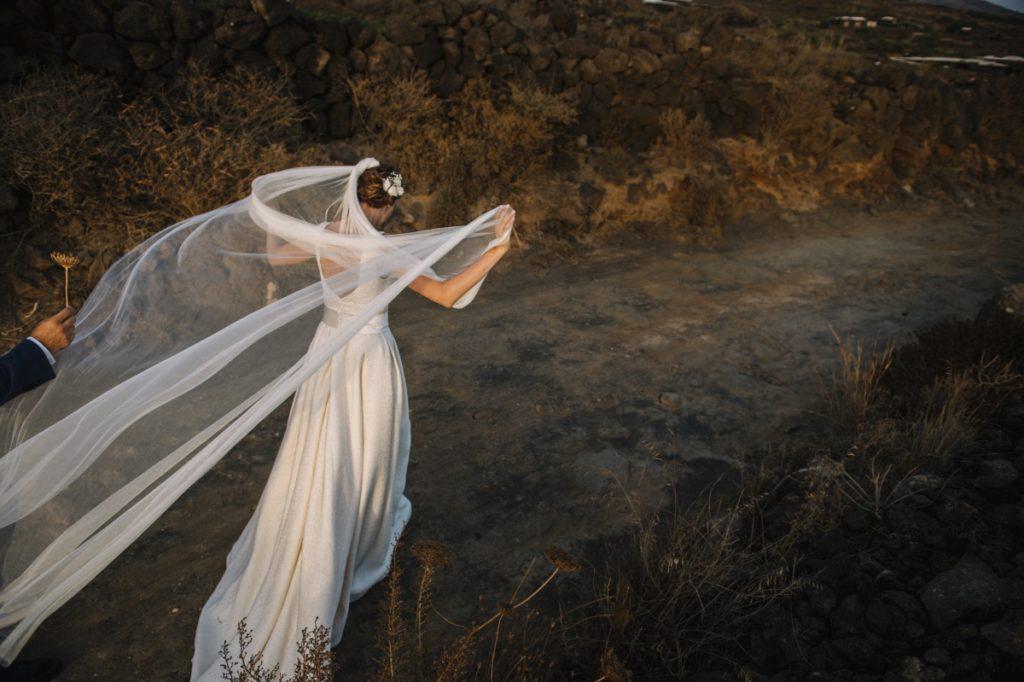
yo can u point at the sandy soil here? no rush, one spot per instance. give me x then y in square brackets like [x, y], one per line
[537, 407]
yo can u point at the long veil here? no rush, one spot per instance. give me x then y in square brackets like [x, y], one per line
[184, 346]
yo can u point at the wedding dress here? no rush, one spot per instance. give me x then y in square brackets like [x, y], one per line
[185, 345]
[325, 527]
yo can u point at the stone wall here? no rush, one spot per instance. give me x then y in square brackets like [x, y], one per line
[623, 75]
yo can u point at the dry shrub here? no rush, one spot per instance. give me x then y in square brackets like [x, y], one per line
[314, 662]
[199, 143]
[485, 145]
[126, 169]
[685, 141]
[401, 117]
[922, 406]
[702, 199]
[53, 130]
[683, 596]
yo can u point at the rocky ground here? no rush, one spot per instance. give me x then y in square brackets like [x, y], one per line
[933, 590]
[559, 390]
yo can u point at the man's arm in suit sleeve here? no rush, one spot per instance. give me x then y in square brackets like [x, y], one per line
[23, 368]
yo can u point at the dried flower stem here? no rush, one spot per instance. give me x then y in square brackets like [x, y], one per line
[66, 261]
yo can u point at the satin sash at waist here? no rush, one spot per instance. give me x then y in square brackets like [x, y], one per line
[376, 324]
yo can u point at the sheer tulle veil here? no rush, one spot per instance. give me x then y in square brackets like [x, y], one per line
[184, 346]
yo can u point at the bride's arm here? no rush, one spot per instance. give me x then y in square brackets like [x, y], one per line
[280, 252]
[449, 291]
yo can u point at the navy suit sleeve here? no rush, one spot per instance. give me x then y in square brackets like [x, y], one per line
[23, 368]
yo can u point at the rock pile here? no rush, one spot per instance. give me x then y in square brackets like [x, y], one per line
[931, 590]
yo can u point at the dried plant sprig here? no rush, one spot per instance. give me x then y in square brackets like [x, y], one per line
[66, 261]
[561, 559]
[432, 553]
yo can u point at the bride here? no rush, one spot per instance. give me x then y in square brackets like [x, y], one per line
[328, 519]
[186, 344]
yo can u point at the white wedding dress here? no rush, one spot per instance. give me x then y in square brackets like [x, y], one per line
[326, 524]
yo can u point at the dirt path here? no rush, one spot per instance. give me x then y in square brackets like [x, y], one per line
[535, 407]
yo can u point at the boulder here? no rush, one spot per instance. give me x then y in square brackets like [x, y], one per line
[477, 41]
[452, 10]
[563, 17]
[186, 20]
[206, 54]
[273, 12]
[385, 57]
[431, 14]
[648, 40]
[79, 16]
[360, 34]
[996, 473]
[1007, 634]
[502, 34]
[307, 85]
[452, 53]
[147, 56]
[139, 21]
[611, 61]
[240, 30]
[99, 51]
[286, 38]
[589, 71]
[333, 36]
[645, 63]
[428, 52]
[968, 588]
[313, 58]
[403, 31]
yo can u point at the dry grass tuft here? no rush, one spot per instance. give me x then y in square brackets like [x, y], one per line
[682, 595]
[855, 384]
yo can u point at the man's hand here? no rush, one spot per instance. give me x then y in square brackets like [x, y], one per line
[56, 332]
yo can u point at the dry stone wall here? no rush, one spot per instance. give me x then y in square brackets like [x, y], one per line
[624, 76]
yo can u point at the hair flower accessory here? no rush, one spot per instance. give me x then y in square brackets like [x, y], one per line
[393, 184]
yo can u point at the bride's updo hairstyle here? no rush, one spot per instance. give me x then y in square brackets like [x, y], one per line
[371, 187]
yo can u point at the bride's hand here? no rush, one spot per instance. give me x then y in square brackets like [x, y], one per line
[506, 218]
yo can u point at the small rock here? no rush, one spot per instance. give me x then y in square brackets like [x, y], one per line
[920, 482]
[1009, 515]
[1008, 633]
[670, 400]
[286, 39]
[273, 12]
[502, 34]
[938, 657]
[996, 473]
[858, 520]
[969, 586]
[821, 599]
[147, 56]
[8, 199]
[402, 31]
[139, 21]
[99, 51]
